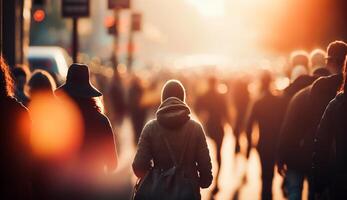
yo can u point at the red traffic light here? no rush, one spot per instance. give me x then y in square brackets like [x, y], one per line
[39, 15]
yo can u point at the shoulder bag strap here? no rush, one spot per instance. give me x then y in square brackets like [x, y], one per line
[188, 135]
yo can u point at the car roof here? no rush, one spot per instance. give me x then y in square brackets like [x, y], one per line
[54, 52]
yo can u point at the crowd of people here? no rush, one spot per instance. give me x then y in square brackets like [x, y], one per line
[58, 143]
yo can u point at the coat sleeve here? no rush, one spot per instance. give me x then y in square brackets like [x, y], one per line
[322, 149]
[143, 157]
[203, 159]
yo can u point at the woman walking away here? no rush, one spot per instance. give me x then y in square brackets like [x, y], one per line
[97, 155]
[14, 141]
[173, 147]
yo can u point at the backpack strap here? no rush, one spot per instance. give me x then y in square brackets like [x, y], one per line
[168, 146]
[187, 139]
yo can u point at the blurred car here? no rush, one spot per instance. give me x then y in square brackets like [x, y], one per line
[53, 59]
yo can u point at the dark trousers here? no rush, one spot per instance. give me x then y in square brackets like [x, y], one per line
[216, 133]
[267, 174]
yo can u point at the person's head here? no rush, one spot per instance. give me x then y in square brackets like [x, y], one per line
[41, 81]
[317, 58]
[20, 75]
[6, 81]
[336, 56]
[266, 79]
[173, 88]
[299, 58]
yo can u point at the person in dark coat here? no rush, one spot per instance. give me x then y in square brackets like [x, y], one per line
[172, 115]
[241, 98]
[301, 121]
[212, 106]
[269, 129]
[20, 75]
[97, 155]
[137, 111]
[15, 147]
[329, 158]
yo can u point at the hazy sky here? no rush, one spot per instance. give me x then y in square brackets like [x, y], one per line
[228, 31]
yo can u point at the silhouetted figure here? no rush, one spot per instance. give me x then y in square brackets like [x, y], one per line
[172, 117]
[20, 76]
[137, 111]
[42, 84]
[15, 141]
[117, 98]
[297, 59]
[98, 149]
[301, 121]
[213, 110]
[241, 102]
[269, 129]
[330, 160]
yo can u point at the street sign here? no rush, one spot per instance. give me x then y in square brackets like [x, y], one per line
[75, 8]
[122, 4]
[136, 20]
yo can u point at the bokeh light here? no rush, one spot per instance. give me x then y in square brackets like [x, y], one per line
[58, 135]
[39, 15]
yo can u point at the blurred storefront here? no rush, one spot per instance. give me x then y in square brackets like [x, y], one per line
[15, 26]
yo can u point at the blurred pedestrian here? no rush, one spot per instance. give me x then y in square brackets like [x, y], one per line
[212, 108]
[41, 87]
[15, 141]
[137, 111]
[299, 74]
[41, 82]
[317, 58]
[21, 75]
[303, 115]
[173, 139]
[299, 58]
[97, 154]
[241, 98]
[330, 155]
[117, 97]
[269, 129]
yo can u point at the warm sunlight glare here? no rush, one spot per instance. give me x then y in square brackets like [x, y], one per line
[57, 126]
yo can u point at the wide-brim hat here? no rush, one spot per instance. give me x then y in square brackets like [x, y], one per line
[78, 84]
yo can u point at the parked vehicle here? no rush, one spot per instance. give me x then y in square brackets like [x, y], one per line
[53, 59]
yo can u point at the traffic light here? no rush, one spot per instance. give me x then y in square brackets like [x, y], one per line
[39, 15]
